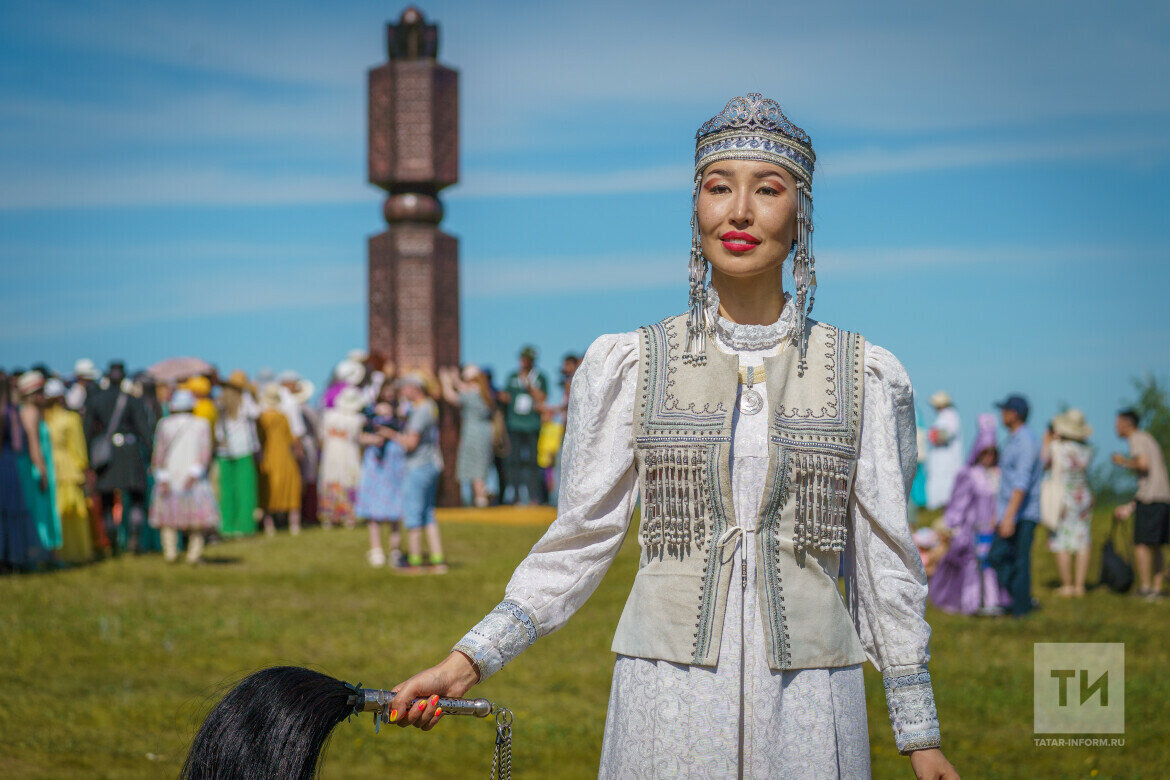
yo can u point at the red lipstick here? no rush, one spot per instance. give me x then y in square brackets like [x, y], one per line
[738, 241]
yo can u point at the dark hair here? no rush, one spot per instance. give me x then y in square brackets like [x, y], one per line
[275, 723]
[1129, 414]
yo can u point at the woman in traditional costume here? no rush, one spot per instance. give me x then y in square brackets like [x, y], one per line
[19, 547]
[35, 464]
[70, 461]
[236, 445]
[1067, 455]
[770, 452]
[962, 582]
[281, 475]
[341, 458]
[470, 392]
[182, 500]
[945, 456]
[379, 492]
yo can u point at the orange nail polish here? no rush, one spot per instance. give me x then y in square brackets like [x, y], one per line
[439, 712]
[422, 705]
[435, 699]
[393, 715]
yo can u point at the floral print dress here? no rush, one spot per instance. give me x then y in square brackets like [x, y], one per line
[1070, 461]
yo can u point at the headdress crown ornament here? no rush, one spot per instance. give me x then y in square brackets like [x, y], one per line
[754, 127]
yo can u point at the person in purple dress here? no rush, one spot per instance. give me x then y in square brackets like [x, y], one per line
[962, 582]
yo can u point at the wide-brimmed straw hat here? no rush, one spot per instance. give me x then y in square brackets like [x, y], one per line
[85, 369]
[200, 386]
[237, 379]
[424, 380]
[349, 400]
[1071, 424]
[270, 395]
[304, 391]
[351, 372]
[941, 400]
[29, 382]
[54, 388]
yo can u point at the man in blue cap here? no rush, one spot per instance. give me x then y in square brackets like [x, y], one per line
[1018, 505]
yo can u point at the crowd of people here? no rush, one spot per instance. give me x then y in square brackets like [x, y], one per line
[93, 465]
[978, 554]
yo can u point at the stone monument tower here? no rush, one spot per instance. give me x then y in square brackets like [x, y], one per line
[414, 266]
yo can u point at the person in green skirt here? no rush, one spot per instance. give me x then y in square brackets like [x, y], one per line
[236, 448]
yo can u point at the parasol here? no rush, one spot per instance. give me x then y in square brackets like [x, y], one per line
[177, 369]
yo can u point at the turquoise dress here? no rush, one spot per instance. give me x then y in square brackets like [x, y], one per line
[42, 505]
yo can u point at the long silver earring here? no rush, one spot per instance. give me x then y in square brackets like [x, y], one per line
[804, 273]
[695, 350]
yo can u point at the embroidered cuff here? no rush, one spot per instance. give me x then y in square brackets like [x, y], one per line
[910, 700]
[503, 634]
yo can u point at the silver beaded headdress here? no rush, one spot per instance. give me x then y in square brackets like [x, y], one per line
[753, 128]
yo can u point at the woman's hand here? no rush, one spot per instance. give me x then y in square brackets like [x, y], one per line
[931, 764]
[452, 678]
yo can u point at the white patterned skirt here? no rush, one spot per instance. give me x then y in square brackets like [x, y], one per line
[670, 720]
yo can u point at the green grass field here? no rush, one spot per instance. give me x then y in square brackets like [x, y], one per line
[106, 670]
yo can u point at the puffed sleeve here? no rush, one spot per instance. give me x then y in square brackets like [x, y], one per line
[596, 500]
[884, 577]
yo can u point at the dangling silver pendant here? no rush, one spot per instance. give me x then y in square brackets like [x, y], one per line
[750, 401]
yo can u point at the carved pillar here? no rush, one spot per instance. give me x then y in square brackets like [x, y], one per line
[414, 266]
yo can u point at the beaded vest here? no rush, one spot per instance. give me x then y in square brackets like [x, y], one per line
[683, 432]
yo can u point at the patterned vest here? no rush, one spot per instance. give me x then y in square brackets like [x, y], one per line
[682, 430]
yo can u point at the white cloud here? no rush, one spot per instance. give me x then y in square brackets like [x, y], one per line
[194, 116]
[513, 278]
[850, 65]
[190, 185]
[978, 154]
[842, 164]
[161, 298]
[509, 278]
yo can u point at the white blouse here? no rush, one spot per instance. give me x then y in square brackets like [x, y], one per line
[884, 578]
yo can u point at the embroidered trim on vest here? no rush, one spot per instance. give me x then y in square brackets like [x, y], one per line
[674, 507]
[710, 582]
[662, 413]
[773, 580]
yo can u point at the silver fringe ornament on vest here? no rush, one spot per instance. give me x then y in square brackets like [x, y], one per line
[675, 510]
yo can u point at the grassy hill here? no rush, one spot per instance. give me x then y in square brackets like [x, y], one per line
[106, 670]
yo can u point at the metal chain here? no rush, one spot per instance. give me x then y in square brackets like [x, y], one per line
[502, 760]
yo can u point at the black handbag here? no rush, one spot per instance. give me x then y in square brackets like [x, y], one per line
[1116, 573]
[101, 451]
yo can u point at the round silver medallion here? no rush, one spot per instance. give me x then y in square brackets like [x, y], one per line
[750, 401]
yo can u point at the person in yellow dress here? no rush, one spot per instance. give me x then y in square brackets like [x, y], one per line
[70, 461]
[279, 471]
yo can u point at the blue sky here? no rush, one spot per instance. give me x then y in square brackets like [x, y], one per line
[181, 178]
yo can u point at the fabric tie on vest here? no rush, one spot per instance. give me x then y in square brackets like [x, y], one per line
[728, 539]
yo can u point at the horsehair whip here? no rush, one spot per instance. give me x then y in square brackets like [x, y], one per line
[277, 721]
